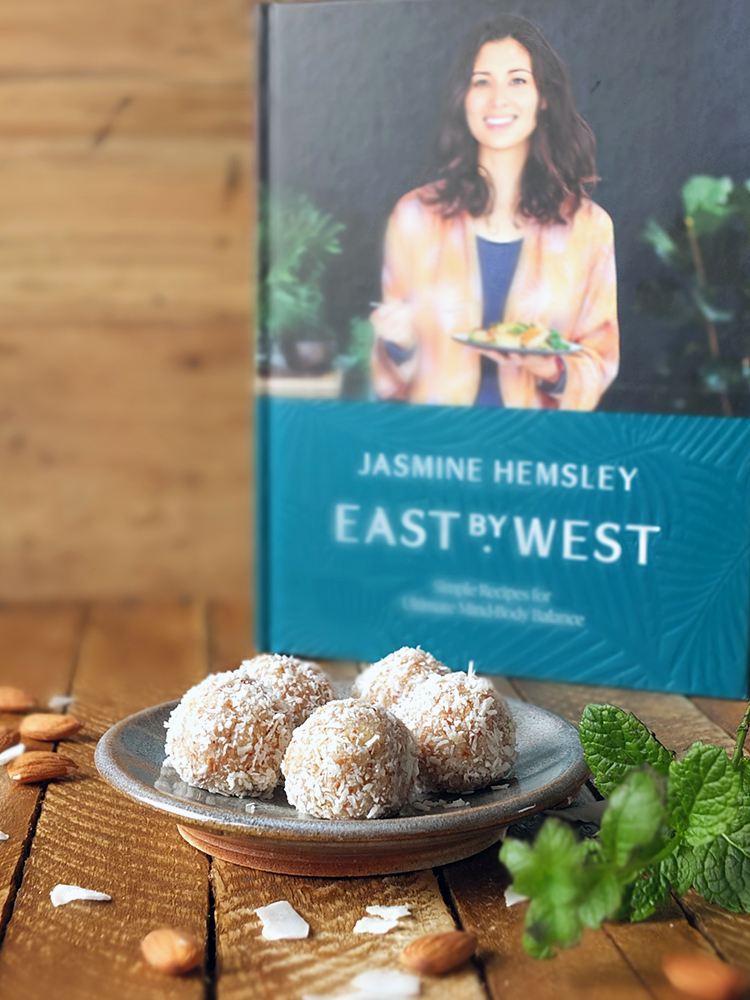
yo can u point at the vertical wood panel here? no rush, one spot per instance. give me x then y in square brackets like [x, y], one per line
[125, 279]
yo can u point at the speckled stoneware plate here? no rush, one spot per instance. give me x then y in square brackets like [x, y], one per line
[271, 835]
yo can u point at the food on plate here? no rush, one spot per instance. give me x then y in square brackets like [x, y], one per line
[350, 760]
[389, 680]
[302, 684]
[464, 730]
[515, 336]
[229, 734]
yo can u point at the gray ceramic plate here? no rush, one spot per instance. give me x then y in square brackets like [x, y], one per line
[273, 836]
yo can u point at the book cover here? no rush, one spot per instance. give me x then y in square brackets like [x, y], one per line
[503, 337]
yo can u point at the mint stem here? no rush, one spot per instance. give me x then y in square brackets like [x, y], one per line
[741, 737]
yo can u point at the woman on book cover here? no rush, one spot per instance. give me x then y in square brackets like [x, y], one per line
[507, 232]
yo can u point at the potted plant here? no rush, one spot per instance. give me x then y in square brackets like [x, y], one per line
[296, 242]
[703, 291]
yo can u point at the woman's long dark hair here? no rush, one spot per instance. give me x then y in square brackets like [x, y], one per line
[561, 168]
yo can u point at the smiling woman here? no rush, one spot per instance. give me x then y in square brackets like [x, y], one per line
[506, 232]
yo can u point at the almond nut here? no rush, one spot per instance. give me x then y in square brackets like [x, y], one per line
[15, 700]
[171, 951]
[49, 728]
[703, 976]
[436, 953]
[39, 765]
[8, 738]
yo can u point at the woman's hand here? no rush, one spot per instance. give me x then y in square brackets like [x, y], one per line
[544, 368]
[394, 323]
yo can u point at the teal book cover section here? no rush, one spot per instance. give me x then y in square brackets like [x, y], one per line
[602, 548]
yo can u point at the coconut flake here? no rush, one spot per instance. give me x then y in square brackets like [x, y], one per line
[4, 836]
[389, 912]
[11, 753]
[457, 803]
[63, 894]
[511, 897]
[60, 701]
[281, 922]
[387, 983]
[374, 925]
[377, 984]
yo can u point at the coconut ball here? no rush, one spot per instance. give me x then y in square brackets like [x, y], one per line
[464, 730]
[350, 760]
[389, 680]
[302, 684]
[229, 734]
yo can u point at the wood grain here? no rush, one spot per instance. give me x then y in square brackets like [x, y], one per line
[595, 969]
[90, 835]
[675, 720]
[124, 273]
[724, 712]
[39, 647]
[251, 968]
[230, 638]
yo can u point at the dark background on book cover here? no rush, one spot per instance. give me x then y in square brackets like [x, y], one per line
[355, 92]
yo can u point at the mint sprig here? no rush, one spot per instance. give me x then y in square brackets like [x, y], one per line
[669, 825]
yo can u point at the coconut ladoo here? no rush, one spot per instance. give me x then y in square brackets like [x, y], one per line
[302, 684]
[464, 730]
[350, 760]
[390, 680]
[229, 734]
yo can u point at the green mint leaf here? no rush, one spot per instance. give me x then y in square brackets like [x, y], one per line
[631, 825]
[653, 887]
[616, 743]
[571, 885]
[723, 865]
[704, 794]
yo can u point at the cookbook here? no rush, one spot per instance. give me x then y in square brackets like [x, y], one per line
[503, 337]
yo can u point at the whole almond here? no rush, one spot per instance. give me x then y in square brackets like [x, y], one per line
[171, 951]
[436, 953]
[48, 727]
[15, 700]
[703, 976]
[39, 765]
[8, 738]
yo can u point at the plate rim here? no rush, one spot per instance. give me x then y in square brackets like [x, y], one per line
[305, 828]
[573, 348]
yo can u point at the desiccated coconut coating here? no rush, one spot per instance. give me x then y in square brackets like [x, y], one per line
[350, 760]
[464, 730]
[302, 684]
[229, 734]
[389, 680]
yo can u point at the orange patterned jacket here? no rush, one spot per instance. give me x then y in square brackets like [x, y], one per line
[565, 280]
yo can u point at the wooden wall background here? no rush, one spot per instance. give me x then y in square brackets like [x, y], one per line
[124, 297]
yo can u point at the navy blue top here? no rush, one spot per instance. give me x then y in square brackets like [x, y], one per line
[497, 265]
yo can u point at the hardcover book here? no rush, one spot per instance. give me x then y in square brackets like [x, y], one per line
[503, 344]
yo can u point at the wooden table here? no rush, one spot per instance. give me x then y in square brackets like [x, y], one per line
[117, 658]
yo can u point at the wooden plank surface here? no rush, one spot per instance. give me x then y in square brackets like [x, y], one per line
[88, 834]
[251, 968]
[39, 646]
